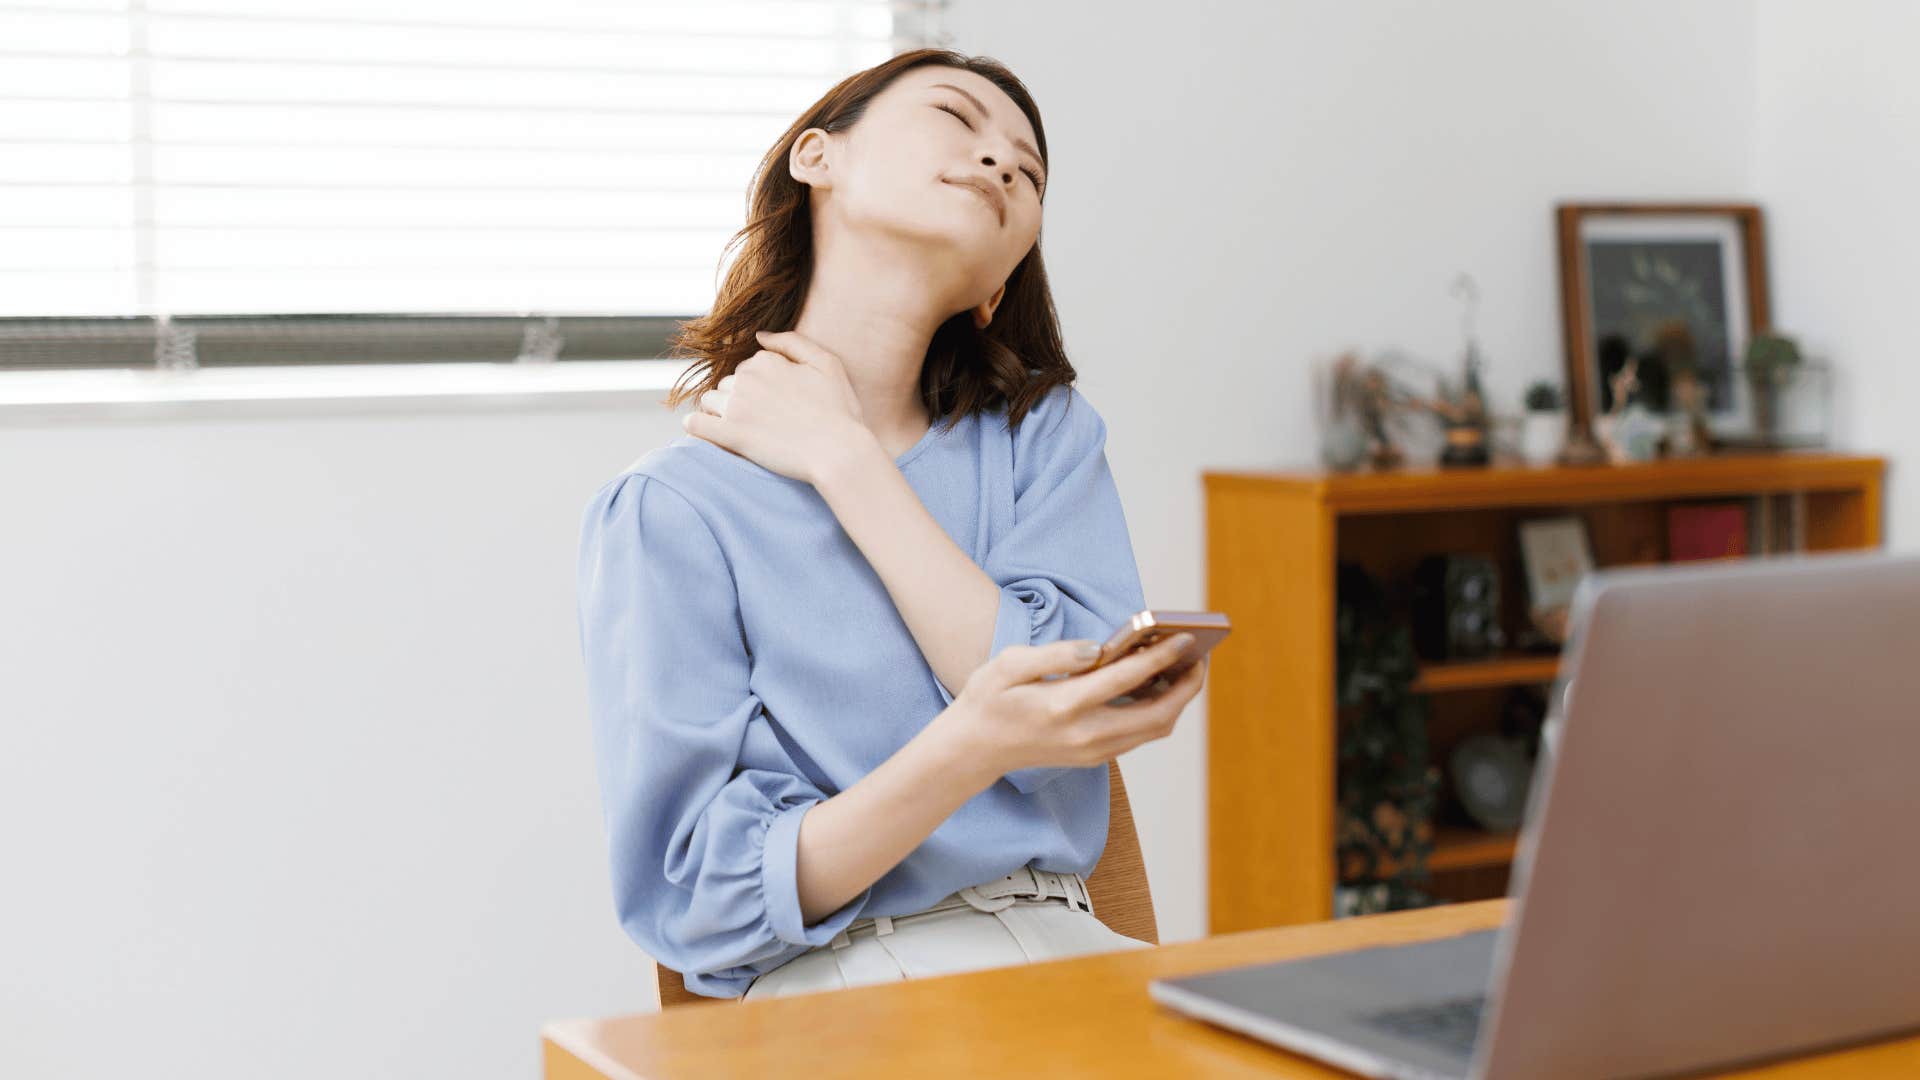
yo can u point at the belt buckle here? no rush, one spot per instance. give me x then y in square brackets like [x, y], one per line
[1074, 892]
[1051, 883]
[972, 895]
[1042, 884]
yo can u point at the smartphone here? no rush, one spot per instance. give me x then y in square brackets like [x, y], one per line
[1208, 628]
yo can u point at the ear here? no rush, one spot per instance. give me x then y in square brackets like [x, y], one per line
[807, 161]
[983, 314]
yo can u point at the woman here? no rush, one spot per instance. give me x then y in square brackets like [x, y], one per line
[835, 646]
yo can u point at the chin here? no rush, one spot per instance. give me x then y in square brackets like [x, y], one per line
[953, 233]
[957, 238]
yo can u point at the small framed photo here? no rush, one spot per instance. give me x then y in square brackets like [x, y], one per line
[1556, 554]
[1651, 291]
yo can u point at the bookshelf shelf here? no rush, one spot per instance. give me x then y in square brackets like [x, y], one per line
[1275, 540]
[1511, 670]
[1463, 848]
[1460, 848]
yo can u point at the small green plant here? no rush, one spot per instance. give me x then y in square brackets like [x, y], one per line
[1771, 361]
[1772, 358]
[1385, 787]
[1543, 396]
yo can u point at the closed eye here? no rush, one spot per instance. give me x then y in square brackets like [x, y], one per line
[1032, 176]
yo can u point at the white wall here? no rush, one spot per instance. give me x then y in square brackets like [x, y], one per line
[1835, 153]
[297, 778]
[298, 767]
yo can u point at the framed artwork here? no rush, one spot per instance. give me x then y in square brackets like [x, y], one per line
[1646, 289]
[1556, 554]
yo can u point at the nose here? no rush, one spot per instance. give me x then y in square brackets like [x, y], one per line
[1005, 172]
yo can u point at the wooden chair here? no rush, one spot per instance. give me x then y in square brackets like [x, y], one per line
[1118, 886]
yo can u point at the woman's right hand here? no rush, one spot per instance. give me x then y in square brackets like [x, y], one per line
[1011, 715]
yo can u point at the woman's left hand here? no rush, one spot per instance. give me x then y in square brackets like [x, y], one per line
[788, 408]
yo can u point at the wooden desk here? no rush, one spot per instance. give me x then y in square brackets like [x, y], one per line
[1082, 1017]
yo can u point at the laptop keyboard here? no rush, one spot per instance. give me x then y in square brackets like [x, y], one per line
[1452, 1024]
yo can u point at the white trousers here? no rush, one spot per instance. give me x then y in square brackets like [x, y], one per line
[995, 924]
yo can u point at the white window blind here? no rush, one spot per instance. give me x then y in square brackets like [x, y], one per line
[173, 157]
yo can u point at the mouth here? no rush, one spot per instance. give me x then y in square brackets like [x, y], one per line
[988, 196]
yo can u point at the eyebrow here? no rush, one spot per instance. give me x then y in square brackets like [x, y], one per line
[1018, 142]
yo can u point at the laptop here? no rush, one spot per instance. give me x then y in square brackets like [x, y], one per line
[1718, 864]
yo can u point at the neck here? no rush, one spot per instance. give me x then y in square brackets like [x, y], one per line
[877, 310]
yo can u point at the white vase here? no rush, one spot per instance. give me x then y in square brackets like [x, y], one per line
[1542, 435]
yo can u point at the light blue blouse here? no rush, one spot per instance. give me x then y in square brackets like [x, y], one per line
[744, 662]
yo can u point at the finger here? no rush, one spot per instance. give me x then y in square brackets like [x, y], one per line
[1029, 662]
[797, 346]
[1132, 670]
[714, 401]
[1129, 671]
[772, 349]
[1151, 708]
[725, 384]
[704, 426]
[1176, 674]
[1181, 682]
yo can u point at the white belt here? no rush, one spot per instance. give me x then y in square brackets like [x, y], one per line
[1024, 883]
[1029, 882]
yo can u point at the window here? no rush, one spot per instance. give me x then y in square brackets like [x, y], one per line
[223, 181]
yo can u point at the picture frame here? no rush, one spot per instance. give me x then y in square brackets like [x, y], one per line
[1556, 553]
[1630, 273]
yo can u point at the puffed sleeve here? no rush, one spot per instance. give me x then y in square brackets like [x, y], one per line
[1065, 568]
[703, 851]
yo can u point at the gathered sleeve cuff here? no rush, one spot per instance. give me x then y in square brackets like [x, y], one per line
[779, 885]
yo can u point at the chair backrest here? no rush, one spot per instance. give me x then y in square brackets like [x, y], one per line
[1118, 886]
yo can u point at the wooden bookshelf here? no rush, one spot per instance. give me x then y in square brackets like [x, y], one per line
[1274, 540]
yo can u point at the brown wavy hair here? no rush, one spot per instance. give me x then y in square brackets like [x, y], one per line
[1014, 361]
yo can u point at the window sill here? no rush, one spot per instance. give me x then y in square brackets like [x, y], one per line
[331, 388]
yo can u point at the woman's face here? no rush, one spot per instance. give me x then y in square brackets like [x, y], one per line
[903, 169]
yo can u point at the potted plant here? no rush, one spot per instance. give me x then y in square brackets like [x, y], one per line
[1544, 430]
[1386, 788]
[1772, 361]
